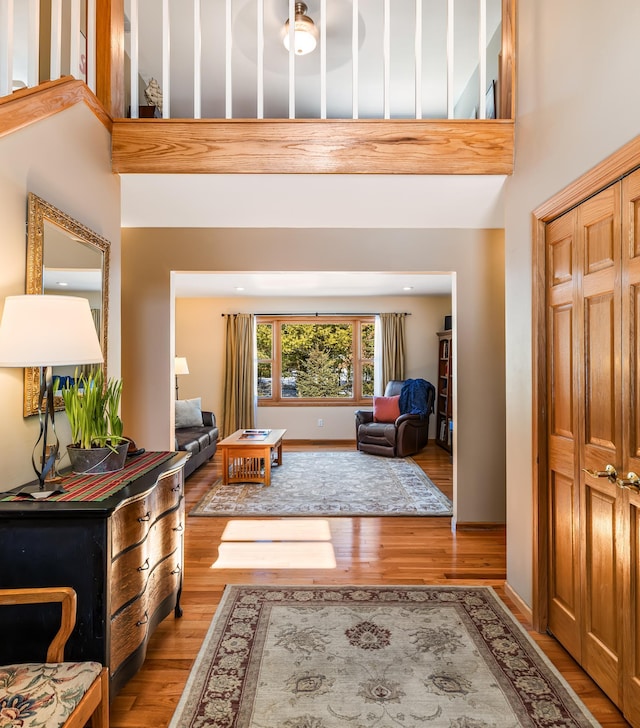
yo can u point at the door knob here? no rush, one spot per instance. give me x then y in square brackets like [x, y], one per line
[632, 481]
[608, 472]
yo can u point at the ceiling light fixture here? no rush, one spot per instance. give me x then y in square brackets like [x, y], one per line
[305, 31]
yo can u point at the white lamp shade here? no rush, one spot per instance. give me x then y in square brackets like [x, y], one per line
[44, 330]
[180, 365]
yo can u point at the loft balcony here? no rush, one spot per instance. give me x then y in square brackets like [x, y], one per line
[206, 86]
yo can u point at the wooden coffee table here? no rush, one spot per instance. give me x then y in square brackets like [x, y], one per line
[248, 460]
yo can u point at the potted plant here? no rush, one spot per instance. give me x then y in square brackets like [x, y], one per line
[92, 406]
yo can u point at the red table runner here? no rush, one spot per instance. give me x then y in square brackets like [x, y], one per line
[99, 487]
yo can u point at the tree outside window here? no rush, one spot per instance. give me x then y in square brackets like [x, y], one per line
[326, 358]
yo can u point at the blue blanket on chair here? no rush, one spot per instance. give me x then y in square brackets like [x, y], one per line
[414, 397]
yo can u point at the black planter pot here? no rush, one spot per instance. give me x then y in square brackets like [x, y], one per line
[97, 459]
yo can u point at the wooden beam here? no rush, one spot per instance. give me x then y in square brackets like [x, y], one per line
[29, 105]
[110, 69]
[283, 146]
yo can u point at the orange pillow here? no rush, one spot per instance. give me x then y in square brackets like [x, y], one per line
[386, 409]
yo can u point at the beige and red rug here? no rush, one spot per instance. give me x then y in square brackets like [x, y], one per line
[372, 657]
[339, 483]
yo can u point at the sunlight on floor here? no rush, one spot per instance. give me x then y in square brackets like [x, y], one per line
[273, 543]
[309, 529]
[279, 555]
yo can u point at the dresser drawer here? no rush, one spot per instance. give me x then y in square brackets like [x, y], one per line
[166, 579]
[131, 522]
[128, 631]
[129, 628]
[131, 569]
[169, 491]
[129, 575]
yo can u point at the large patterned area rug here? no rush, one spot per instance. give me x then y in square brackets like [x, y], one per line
[331, 484]
[372, 657]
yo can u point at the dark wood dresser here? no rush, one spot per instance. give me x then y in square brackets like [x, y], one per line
[123, 556]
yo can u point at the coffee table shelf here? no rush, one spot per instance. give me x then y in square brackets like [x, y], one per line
[248, 460]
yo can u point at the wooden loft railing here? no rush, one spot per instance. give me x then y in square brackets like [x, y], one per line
[332, 146]
[30, 105]
[262, 146]
[312, 147]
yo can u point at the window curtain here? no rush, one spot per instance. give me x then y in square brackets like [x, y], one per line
[378, 389]
[391, 347]
[239, 409]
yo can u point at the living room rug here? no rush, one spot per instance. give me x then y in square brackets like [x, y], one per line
[367, 657]
[331, 484]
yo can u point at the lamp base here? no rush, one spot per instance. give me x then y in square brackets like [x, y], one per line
[33, 490]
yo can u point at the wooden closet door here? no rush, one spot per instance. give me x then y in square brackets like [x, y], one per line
[601, 510]
[563, 438]
[631, 418]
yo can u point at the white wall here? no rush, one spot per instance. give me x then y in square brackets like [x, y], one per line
[149, 255]
[205, 353]
[577, 102]
[66, 160]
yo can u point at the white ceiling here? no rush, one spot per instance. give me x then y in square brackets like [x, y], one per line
[76, 279]
[312, 201]
[303, 284]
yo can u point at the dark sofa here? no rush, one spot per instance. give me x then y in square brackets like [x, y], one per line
[200, 441]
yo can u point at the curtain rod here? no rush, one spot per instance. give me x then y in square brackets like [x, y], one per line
[310, 315]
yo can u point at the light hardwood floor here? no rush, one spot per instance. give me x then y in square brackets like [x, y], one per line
[368, 551]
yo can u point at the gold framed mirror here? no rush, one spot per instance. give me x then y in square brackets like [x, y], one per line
[64, 257]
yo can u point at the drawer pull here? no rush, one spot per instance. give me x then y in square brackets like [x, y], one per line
[176, 488]
[177, 570]
[179, 528]
[146, 517]
[142, 621]
[144, 566]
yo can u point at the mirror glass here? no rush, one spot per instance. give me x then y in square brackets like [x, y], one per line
[64, 258]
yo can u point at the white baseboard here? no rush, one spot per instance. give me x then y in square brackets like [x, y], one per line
[521, 605]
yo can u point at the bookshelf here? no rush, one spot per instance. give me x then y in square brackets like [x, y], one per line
[444, 392]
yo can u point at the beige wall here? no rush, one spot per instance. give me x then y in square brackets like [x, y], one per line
[200, 331]
[64, 159]
[476, 257]
[576, 104]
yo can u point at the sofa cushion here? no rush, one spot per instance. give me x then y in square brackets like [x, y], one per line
[189, 412]
[386, 409]
[203, 440]
[186, 441]
[377, 433]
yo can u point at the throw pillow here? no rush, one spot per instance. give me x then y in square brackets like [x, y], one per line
[189, 412]
[386, 409]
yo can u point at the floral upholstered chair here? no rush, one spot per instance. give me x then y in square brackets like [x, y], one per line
[52, 694]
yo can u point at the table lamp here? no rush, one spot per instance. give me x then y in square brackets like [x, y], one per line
[46, 331]
[180, 367]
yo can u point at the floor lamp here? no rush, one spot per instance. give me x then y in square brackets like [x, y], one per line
[46, 331]
[180, 367]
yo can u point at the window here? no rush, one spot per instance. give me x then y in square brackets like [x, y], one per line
[318, 359]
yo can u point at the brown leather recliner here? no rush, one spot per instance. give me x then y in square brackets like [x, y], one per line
[406, 436]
